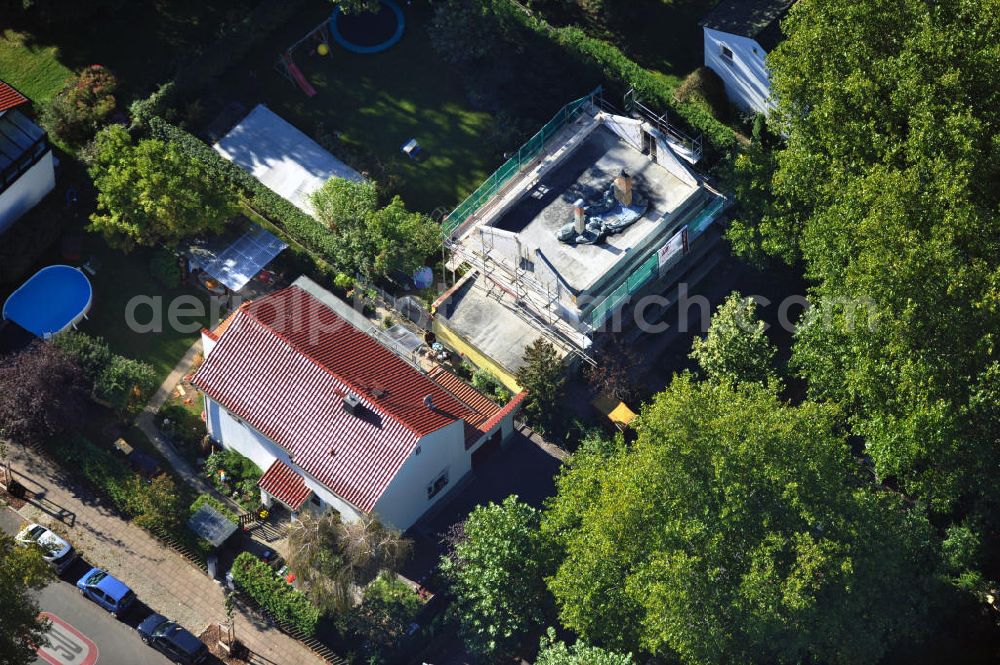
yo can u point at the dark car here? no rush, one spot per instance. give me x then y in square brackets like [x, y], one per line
[171, 640]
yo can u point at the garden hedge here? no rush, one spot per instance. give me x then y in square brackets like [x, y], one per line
[282, 601]
[654, 88]
[299, 226]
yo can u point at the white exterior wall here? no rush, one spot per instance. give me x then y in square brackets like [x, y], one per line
[748, 84]
[405, 500]
[27, 191]
[236, 435]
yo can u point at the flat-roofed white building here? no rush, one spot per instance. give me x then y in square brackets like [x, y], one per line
[281, 156]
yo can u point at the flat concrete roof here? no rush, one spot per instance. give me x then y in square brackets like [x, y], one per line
[586, 173]
[487, 325]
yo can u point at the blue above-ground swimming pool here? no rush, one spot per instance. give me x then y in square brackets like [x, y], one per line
[369, 32]
[53, 300]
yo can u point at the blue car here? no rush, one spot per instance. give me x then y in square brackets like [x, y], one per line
[111, 594]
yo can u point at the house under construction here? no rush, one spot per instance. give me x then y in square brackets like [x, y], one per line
[597, 210]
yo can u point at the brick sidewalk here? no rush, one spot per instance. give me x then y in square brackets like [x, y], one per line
[161, 577]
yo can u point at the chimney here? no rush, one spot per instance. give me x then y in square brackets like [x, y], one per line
[623, 188]
[429, 402]
[352, 404]
[579, 217]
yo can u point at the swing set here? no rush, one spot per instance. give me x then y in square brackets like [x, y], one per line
[319, 37]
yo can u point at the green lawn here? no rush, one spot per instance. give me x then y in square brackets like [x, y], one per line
[34, 70]
[120, 278]
[141, 42]
[377, 103]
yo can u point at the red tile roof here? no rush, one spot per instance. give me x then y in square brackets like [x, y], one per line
[10, 98]
[483, 406]
[510, 407]
[285, 484]
[284, 365]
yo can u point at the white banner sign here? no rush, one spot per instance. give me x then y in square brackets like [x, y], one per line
[677, 245]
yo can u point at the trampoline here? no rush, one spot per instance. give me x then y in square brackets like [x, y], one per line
[54, 299]
[369, 32]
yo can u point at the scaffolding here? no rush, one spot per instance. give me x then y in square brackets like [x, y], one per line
[524, 156]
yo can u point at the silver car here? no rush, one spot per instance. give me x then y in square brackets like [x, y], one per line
[55, 550]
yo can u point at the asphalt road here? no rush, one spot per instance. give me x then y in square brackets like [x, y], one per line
[83, 633]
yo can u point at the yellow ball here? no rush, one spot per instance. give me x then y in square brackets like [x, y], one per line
[322, 49]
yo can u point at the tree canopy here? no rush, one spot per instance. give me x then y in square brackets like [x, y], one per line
[734, 530]
[334, 559]
[374, 240]
[496, 570]
[736, 348]
[554, 652]
[150, 193]
[544, 377]
[43, 392]
[22, 571]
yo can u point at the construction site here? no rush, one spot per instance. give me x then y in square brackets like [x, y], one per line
[597, 210]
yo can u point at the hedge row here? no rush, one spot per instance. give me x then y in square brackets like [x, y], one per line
[299, 226]
[650, 86]
[282, 601]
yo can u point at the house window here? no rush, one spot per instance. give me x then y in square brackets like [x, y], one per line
[434, 488]
[727, 52]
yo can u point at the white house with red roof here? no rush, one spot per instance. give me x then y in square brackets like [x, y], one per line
[27, 168]
[335, 419]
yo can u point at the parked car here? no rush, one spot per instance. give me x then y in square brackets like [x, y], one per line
[108, 592]
[172, 640]
[57, 552]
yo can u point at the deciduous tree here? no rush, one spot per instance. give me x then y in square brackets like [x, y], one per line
[372, 240]
[555, 652]
[887, 188]
[335, 559]
[734, 530]
[736, 348]
[22, 571]
[496, 570]
[150, 193]
[43, 392]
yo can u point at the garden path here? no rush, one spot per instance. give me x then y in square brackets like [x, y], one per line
[146, 421]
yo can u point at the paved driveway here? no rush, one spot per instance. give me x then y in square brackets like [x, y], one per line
[526, 467]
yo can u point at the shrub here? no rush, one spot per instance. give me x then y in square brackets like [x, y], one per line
[165, 269]
[82, 107]
[290, 221]
[283, 602]
[242, 476]
[381, 621]
[653, 87]
[154, 505]
[91, 353]
[126, 384]
[183, 427]
[489, 385]
[703, 86]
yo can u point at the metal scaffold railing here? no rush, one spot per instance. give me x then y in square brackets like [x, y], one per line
[512, 166]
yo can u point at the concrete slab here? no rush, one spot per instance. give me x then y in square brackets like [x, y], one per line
[586, 173]
[487, 325]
